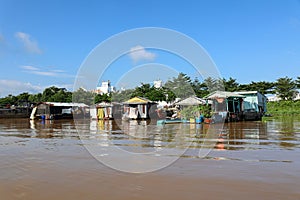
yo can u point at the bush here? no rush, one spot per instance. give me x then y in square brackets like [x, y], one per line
[195, 111]
[284, 108]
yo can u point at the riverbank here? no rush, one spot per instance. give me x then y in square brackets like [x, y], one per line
[282, 108]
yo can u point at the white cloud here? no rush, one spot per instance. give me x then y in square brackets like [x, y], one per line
[139, 53]
[30, 68]
[38, 71]
[16, 87]
[30, 45]
[57, 70]
[44, 73]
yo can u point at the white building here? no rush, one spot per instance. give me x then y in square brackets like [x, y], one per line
[297, 97]
[158, 84]
[275, 97]
[105, 88]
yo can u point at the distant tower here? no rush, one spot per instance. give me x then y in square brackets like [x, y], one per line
[158, 84]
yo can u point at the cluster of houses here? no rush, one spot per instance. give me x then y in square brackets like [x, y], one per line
[225, 106]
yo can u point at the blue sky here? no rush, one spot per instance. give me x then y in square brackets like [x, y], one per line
[43, 43]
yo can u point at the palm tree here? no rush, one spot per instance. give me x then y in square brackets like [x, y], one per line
[263, 87]
[285, 88]
[181, 86]
[230, 85]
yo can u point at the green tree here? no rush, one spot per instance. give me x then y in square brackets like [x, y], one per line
[121, 96]
[169, 94]
[62, 95]
[199, 88]
[181, 86]
[156, 94]
[263, 87]
[142, 90]
[48, 93]
[297, 81]
[213, 85]
[230, 85]
[8, 100]
[68, 96]
[23, 97]
[103, 98]
[285, 88]
[35, 98]
[83, 96]
[244, 87]
[55, 94]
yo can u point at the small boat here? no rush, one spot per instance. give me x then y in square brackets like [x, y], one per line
[170, 121]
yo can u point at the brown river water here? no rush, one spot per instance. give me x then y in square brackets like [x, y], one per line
[49, 160]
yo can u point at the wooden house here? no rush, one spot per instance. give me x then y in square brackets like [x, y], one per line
[226, 106]
[106, 110]
[254, 105]
[57, 110]
[139, 108]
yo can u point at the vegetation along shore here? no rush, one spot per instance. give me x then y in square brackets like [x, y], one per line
[181, 86]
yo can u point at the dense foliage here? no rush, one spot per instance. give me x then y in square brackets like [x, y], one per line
[196, 111]
[286, 88]
[181, 86]
[287, 107]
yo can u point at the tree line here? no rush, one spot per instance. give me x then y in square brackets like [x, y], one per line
[181, 86]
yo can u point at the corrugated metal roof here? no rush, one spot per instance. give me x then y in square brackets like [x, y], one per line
[191, 101]
[247, 92]
[66, 104]
[250, 92]
[223, 94]
[104, 104]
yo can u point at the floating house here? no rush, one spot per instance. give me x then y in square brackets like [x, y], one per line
[106, 110]
[56, 110]
[254, 105]
[226, 106]
[93, 112]
[196, 116]
[139, 108]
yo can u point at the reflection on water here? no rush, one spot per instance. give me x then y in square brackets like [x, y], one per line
[280, 133]
[147, 137]
[243, 135]
[286, 132]
[47, 160]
